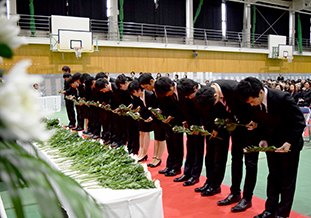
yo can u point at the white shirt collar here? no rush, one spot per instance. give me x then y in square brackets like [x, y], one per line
[221, 95]
[176, 91]
[143, 98]
[265, 99]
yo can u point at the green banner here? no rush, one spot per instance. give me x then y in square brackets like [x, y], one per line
[253, 25]
[121, 18]
[299, 33]
[32, 19]
[198, 12]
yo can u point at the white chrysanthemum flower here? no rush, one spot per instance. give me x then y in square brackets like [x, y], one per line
[9, 30]
[20, 111]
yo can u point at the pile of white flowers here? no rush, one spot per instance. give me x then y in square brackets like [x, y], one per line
[20, 112]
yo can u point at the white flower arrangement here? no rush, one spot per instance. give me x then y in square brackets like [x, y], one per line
[9, 31]
[20, 112]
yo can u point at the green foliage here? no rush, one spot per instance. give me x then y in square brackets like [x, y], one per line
[230, 126]
[260, 149]
[158, 115]
[91, 161]
[20, 169]
[5, 51]
[197, 130]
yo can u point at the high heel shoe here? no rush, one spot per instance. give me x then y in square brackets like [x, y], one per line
[155, 165]
[150, 164]
[143, 159]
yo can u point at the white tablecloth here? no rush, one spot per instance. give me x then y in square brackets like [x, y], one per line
[50, 103]
[142, 203]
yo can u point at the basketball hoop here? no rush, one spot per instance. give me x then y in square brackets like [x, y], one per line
[78, 51]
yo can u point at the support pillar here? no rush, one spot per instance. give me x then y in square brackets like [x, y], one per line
[291, 34]
[246, 39]
[189, 22]
[112, 14]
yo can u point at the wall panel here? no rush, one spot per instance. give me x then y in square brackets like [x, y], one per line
[125, 60]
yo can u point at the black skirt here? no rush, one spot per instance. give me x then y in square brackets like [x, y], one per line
[144, 126]
[159, 130]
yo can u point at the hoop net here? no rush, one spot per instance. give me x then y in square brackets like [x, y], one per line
[289, 59]
[78, 51]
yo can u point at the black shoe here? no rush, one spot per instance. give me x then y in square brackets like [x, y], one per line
[77, 129]
[155, 165]
[96, 136]
[265, 214]
[229, 200]
[172, 172]
[144, 158]
[242, 205]
[280, 217]
[182, 178]
[164, 171]
[71, 126]
[211, 191]
[191, 181]
[203, 188]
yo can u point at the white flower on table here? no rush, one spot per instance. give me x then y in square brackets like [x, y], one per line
[9, 30]
[20, 111]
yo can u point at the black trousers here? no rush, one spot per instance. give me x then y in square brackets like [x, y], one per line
[70, 112]
[174, 143]
[95, 121]
[105, 123]
[216, 158]
[80, 116]
[133, 135]
[241, 138]
[194, 158]
[281, 181]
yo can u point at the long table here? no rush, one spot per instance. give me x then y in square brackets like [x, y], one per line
[143, 203]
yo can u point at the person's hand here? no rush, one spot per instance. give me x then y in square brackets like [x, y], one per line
[130, 106]
[149, 120]
[214, 134]
[185, 124]
[263, 144]
[158, 110]
[195, 133]
[300, 100]
[168, 119]
[63, 92]
[116, 110]
[251, 125]
[137, 109]
[284, 148]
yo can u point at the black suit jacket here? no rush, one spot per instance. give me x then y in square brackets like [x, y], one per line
[284, 121]
[238, 111]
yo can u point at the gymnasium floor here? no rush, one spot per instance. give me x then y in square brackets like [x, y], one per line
[302, 201]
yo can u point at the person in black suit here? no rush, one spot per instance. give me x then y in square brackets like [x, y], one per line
[69, 104]
[293, 93]
[147, 82]
[281, 124]
[305, 97]
[170, 107]
[131, 127]
[224, 92]
[195, 143]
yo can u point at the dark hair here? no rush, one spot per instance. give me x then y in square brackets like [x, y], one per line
[71, 80]
[249, 87]
[133, 86]
[204, 98]
[76, 76]
[89, 81]
[132, 72]
[163, 85]
[121, 79]
[83, 77]
[100, 75]
[66, 75]
[100, 84]
[176, 75]
[145, 78]
[66, 69]
[186, 86]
